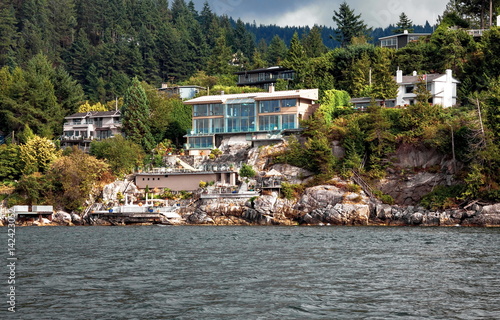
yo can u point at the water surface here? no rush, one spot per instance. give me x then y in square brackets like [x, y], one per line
[199, 272]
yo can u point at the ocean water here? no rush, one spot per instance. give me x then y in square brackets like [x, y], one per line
[208, 272]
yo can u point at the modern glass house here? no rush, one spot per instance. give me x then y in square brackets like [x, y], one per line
[252, 116]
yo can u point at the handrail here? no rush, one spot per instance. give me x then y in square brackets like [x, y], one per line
[363, 184]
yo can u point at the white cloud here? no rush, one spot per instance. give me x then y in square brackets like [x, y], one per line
[299, 13]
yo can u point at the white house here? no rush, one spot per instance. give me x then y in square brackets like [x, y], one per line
[443, 88]
[83, 127]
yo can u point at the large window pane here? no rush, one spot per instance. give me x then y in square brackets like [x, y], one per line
[288, 121]
[269, 106]
[217, 109]
[201, 110]
[201, 125]
[269, 122]
[288, 103]
[218, 125]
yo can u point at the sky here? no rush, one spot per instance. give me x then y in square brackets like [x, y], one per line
[310, 12]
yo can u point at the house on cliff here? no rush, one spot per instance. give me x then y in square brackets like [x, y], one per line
[81, 128]
[265, 77]
[251, 118]
[442, 87]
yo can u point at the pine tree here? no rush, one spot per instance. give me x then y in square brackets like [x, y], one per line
[218, 63]
[313, 43]
[404, 24]
[384, 85]
[135, 121]
[349, 25]
[276, 51]
[422, 94]
[8, 33]
[359, 76]
[296, 59]
[257, 61]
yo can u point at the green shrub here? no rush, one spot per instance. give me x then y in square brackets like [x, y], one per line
[442, 197]
[353, 188]
[291, 191]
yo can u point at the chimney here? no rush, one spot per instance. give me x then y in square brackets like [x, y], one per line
[449, 75]
[415, 73]
[164, 85]
[271, 88]
[405, 32]
[399, 76]
[222, 93]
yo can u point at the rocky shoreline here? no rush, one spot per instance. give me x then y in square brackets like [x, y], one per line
[319, 205]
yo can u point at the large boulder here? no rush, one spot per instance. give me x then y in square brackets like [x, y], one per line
[319, 197]
[199, 217]
[265, 203]
[62, 217]
[110, 191]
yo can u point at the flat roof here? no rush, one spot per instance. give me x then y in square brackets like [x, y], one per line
[311, 94]
[93, 114]
[405, 34]
[275, 68]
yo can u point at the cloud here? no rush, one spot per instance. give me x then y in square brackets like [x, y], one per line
[299, 13]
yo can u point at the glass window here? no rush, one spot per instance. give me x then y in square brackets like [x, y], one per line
[409, 89]
[200, 110]
[269, 106]
[201, 126]
[288, 103]
[218, 125]
[269, 123]
[288, 121]
[217, 109]
[200, 142]
[77, 121]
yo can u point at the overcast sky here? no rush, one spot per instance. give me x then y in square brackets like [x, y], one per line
[310, 12]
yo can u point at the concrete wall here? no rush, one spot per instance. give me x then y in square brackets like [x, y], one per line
[179, 182]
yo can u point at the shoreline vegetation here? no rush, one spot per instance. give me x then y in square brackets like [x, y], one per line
[414, 163]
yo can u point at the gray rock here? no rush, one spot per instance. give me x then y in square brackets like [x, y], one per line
[62, 217]
[76, 219]
[199, 217]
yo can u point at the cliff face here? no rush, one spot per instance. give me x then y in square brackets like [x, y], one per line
[416, 171]
[331, 205]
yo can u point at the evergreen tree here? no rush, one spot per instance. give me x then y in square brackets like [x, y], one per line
[276, 52]
[218, 63]
[8, 33]
[313, 43]
[349, 25]
[384, 85]
[77, 57]
[136, 113]
[403, 24]
[422, 94]
[359, 76]
[296, 60]
[257, 61]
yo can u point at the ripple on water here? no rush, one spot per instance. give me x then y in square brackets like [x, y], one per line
[258, 273]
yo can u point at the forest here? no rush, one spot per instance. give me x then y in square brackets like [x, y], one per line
[58, 57]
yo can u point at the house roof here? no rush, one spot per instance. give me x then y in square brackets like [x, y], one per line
[182, 87]
[93, 114]
[429, 78]
[405, 34]
[311, 94]
[270, 69]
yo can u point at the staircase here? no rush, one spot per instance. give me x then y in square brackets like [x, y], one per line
[363, 184]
